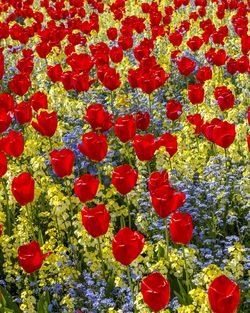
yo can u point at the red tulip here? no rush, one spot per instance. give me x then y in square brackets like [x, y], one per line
[109, 77]
[204, 74]
[169, 142]
[3, 164]
[6, 102]
[156, 180]
[94, 146]
[20, 84]
[46, 123]
[167, 200]
[243, 64]
[195, 43]
[186, 66]
[1, 63]
[124, 178]
[181, 228]
[142, 120]
[219, 132]
[155, 290]
[224, 97]
[98, 118]
[232, 66]
[86, 187]
[13, 143]
[1, 229]
[39, 101]
[23, 188]
[127, 245]
[175, 38]
[144, 146]
[23, 113]
[196, 93]
[112, 33]
[62, 162]
[5, 120]
[248, 142]
[223, 295]
[173, 109]
[80, 62]
[125, 128]
[116, 54]
[96, 220]
[55, 72]
[196, 120]
[31, 257]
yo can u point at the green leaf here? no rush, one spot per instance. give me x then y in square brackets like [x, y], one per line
[9, 303]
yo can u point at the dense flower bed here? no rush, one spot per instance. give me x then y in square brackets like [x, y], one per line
[124, 156]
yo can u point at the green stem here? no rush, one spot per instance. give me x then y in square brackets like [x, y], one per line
[50, 144]
[101, 257]
[185, 265]
[131, 287]
[99, 173]
[149, 105]
[148, 167]
[167, 239]
[122, 222]
[129, 216]
[170, 164]
[8, 221]
[126, 147]
[30, 218]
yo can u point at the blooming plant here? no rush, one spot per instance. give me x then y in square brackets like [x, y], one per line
[124, 156]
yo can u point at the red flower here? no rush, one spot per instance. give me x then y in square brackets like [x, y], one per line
[195, 43]
[155, 290]
[116, 54]
[248, 142]
[96, 220]
[6, 102]
[196, 93]
[98, 118]
[23, 188]
[224, 97]
[1, 63]
[204, 73]
[46, 123]
[31, 257]
[13, 143]
[55, 72]
[232, 66]
[23, 113]
[112, 33]
[144, 146]
[167, 200]
[5, 120]
[80, 62]
[186, 66]
[175, 38]
[169, 142]
[124, 178]
[94, 146]
[62, 162]
[219, 132]
[173, 109]
[142, 120]
[127, 245]
[156, 180]
[196, 120]
[20, 84]
[125, 128]
[223, 295]
[243, 64]
[181, 228]
[109, 77]
[3, 164]
[86, 187]
[38, 101]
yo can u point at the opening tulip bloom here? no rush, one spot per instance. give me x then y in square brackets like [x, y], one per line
[39, 101]
[142, 120]
[98, 118]
[62, 162]
[124, 178]
[156, 180]
[223, 295]
[3, 164]
[127, 245]
[186, 66]
[96, 220]
[13, 143]
[94, 146]
[196, 93]
[31, 257]
[168, 141]
[181, 228]
[20, 84]
[173, 109]
[167, 200]
[23, 113]
[23, 188]
[86, 187]
[155, 290]
[144, 146]
[46, 123]
[125, 128]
